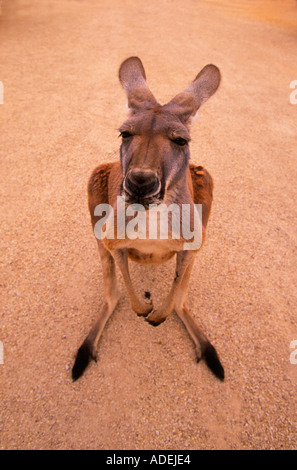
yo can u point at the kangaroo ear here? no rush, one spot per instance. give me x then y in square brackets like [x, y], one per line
[133, 80]
[186, 104]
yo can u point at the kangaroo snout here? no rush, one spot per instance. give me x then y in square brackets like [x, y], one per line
[142, 183]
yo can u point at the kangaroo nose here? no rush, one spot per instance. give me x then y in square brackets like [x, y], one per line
[142, 183]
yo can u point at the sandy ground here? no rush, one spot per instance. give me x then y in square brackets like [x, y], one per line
[62, 107]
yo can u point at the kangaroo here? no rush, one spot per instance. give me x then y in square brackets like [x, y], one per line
[153, 170]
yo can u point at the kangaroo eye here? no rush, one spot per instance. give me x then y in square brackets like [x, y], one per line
[125, 134]
[180, 141]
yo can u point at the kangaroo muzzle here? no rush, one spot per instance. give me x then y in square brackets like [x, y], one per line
[142, 183]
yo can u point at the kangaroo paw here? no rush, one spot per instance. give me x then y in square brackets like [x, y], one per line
[213, 362]
[83, 357]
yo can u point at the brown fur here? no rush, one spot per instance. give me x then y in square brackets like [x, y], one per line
[153, 169]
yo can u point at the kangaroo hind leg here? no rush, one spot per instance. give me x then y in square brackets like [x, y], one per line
[204, 349]
[87, 350]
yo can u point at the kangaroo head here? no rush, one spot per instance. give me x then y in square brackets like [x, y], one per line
[154, 151]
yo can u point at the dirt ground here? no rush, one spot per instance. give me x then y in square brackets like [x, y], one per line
[62, 107]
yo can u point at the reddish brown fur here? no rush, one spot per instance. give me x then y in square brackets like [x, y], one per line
[154, 168]
[106, 179]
